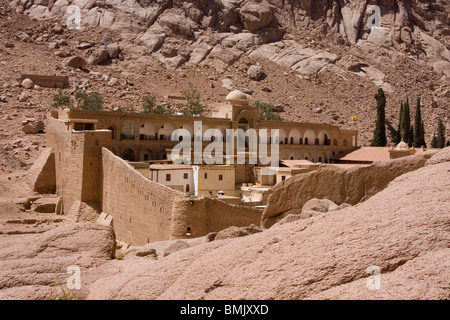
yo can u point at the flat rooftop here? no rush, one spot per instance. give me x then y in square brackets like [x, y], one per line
[371, 154]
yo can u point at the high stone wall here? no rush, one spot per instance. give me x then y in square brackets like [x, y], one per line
[144, 211]
[141, 209]
[77, 162]
[205, 215]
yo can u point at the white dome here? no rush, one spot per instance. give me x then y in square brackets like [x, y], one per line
[236, 95]
[402, 145]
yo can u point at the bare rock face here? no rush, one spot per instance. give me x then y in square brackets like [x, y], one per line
[402, 231]
[442, 156]
[336, 184]
[154, 37]
[42, 176]
[35, 267]
[177, 246]
[237, 232]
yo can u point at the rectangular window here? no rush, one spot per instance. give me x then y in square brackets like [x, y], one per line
[206, 175]
[220, 177]
[283, 178]
[168, 177]
[185, 176]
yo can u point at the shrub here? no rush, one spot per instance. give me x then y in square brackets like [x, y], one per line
[149, 102]
[91, 101]
[62, 99]
[149, 105]
[193, 105]
[266, 111]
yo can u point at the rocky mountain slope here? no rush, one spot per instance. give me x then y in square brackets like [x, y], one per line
[320, 60]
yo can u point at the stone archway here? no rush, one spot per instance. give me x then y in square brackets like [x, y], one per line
[128, 154]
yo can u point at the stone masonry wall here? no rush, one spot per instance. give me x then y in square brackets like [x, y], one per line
[141, 209]
[205, 215]
[144, 211]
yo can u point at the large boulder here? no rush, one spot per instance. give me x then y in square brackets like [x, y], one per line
[336, 184]
[75, 62]
[320, 205]
[256, 73]
[154, 37]
[113, 50]
[255, 16]
[98, 56]
[177, 24]
[27, 83]
[35, 267]
[402, 231]
[34, 127]
[441, 156]
[237, 232]
[45, 205]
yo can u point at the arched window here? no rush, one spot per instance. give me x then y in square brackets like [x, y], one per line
[335, 143]
[128, 155]
[345, 143]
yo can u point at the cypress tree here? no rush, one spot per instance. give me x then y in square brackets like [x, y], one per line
[419, 134]
[434, 142]
[406, 130]
[379, 135]
[440, 134]
[423, 136]
[398, 136]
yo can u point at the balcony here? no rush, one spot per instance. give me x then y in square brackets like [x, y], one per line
[127, 137]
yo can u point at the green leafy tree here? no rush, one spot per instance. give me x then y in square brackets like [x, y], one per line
[441, 134]
[62, 98]
[379, 135]
[160, 109]
[193, 105]
[91, 101]
[266, 111]
[149, 105]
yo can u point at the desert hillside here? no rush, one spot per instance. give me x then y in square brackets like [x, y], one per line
[321, 62]
[315, 61]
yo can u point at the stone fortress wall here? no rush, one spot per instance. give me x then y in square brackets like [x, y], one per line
[89, 149]
[142, 211]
